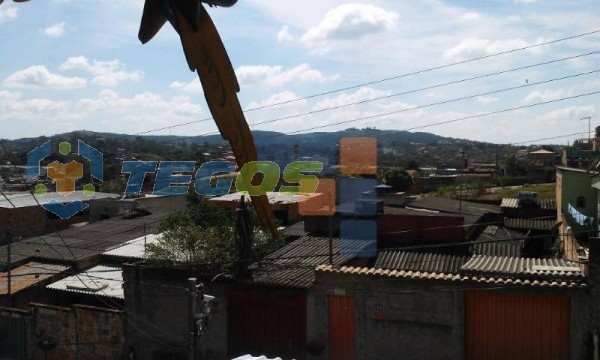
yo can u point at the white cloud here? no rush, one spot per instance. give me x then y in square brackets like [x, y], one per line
[249, 75]
[7, 13]
[39, 77]
[361, 94]
[475, 47]
[285, 98]
[56, 30]
[349, 22]
[470, 16]
[192, 87]
[105, 73]
[284, 35]
[525, 1]
[486, 99]
[546, 95]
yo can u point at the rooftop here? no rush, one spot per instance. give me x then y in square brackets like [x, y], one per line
[530, 268]
[274, 198]
[134, 249]
[531, 224]
[453, 206]
[26, 199]
[100, 280]
[28, 275]
[406, 260]
[498, 241]
[513, 203]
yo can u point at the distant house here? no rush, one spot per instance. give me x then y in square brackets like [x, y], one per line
[541, 158]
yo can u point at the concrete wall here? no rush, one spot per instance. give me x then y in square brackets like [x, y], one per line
[407, 319]
[574, 184]
[80, 332]
[156, 301]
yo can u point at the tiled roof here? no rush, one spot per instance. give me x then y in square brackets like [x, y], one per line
[28, 275]
[511, 266]
[513, 203]
[531, 224]
[453, 278]
[293, 265]
[498, 241]
[453, 206]
[134, 249]
[295, 230]
[25, 199]
[405, 260]
[99, 280]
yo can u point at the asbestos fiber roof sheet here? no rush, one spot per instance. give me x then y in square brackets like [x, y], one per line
[575, 283]
[25, 199]
[503, 265]
[293, 265]
[513, 203]
[274, 198]
[135, 249]
[498, 241]
[406, 260]
[531, 224]
[454, 206]
[100, 280]
[296, 230]
[82, 242]
[28, 275]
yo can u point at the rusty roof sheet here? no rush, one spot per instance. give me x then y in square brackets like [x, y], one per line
[529, 267]
[453, 278]
[513, 203]
[28, 275]
[406, 260]
[294, 264]
[454, 206]
[531, 224]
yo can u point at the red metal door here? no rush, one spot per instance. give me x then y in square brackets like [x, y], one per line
[342, 328]
[516, 326]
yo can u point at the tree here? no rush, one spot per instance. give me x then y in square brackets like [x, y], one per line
[397, 178]
[204, 235]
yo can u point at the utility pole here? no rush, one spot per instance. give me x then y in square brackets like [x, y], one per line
[192, 319]
[8, 235]
[462, 163]
[589, 119]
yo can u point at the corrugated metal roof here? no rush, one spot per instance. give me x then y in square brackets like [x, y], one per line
[100, 280]
[453, 206]
[405, 260]
[274, 198]
[513, 203]
[296, 230]
[134, 249]
[531, 224]
[454, 278]
[27, 275]
[25, 199]
[503, 265]
[293, 265]
[498, 241]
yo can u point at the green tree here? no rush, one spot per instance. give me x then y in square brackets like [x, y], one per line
[397, 178]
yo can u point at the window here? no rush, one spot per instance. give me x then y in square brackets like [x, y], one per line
[580, 202]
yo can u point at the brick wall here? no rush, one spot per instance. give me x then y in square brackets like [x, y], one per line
[80, 332]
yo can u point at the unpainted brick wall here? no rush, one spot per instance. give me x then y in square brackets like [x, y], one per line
[80, 332]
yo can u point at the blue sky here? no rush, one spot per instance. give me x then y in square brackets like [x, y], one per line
[72, 65]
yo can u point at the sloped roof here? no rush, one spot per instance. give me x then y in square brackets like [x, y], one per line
[27, 275]
[100, 280]
[529, 267]
[134, 249]
[498, 241]
[547, 204]
[295, 230]
[294, 264]
[531, 224]
[406, 260]
[25, 199]
[453, 206]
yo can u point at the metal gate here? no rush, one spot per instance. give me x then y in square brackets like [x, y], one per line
[516, 326]
[267, 323]
[342, 328]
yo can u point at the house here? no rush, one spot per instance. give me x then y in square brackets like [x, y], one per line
[21, 211]
[26, 283]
